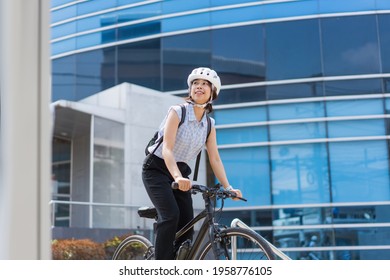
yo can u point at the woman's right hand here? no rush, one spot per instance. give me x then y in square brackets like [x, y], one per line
[184, 184]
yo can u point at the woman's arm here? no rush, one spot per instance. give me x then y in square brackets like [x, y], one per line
[170, 132]
[215, 159]
[216, 162]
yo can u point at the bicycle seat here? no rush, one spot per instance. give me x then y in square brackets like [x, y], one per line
[147, 212]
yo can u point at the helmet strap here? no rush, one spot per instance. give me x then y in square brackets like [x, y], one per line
[191, 101]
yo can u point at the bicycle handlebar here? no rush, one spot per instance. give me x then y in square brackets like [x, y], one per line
[217, 190]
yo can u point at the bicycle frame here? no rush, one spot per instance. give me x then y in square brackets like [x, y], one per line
[207, 227]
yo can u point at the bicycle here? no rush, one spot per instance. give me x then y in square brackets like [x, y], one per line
[225, 243]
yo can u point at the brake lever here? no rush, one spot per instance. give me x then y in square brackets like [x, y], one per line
[234, 195]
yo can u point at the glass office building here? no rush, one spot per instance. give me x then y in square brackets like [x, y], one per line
[302, 119]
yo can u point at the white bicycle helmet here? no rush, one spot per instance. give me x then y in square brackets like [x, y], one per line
[205, 73]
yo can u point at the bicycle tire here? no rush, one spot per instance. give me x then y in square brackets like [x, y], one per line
[134, 247]
[249, 245]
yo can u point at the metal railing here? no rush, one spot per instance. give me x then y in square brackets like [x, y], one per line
[238, 223]
[54, 203]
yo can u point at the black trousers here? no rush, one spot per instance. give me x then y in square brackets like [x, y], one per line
[174, 207]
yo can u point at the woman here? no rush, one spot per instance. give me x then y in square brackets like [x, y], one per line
[169, 162]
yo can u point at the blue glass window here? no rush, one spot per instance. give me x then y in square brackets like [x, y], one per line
[387, 106]
[125, 2]
[248, 170]
[253, 218]
[302, 110]
[367, 214]
[242, 135]
[363, 236]
[382, 4]
[94, 39]
[216, 3]
[139, 12]
[356, 128]
[300, 174]
[63, 30]
[139, 63]
[297, 131]
[63, 78]
[63, 46]
[240, 115]
[56, 3]
[240, 95]
[301, 59]
[354, 107]
[359, 171]
[337, 6]
[181, 54]
[174, 6]
[237, 15]
[95, 22]
[302, 216]
[89, 40]
[95, 71]
[384, 38]
[300, 90]
[304, 239]
[63, 14]
[347, 52]
[94, 6]
[186, 22]
[290, 9]
[244, 46]
[386, 85]
[352, 87]
[139, 30]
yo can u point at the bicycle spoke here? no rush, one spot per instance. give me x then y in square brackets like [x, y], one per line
[239, 244]
[134, 248]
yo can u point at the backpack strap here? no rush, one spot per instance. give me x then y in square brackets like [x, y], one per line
[200, 153]
[208, 127]
[183, 116]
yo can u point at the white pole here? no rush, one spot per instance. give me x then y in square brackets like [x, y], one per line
[25, 129]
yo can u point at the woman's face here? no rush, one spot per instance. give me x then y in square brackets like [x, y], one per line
[200, 91]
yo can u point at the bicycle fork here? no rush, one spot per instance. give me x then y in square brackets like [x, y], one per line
[216, 239]
[218, 243]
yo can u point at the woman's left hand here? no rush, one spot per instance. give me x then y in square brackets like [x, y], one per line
[236, 191]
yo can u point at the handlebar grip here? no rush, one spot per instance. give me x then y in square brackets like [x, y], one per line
[234, 196]
[175, 186]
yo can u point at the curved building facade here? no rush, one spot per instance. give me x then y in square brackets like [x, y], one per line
[302, 118]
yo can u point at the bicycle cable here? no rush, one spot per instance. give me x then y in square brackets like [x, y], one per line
[218, 213]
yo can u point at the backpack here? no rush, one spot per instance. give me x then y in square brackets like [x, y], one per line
[155, 136]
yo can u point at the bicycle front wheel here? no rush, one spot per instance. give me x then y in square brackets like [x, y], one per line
[134, 247]
[238, 244]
